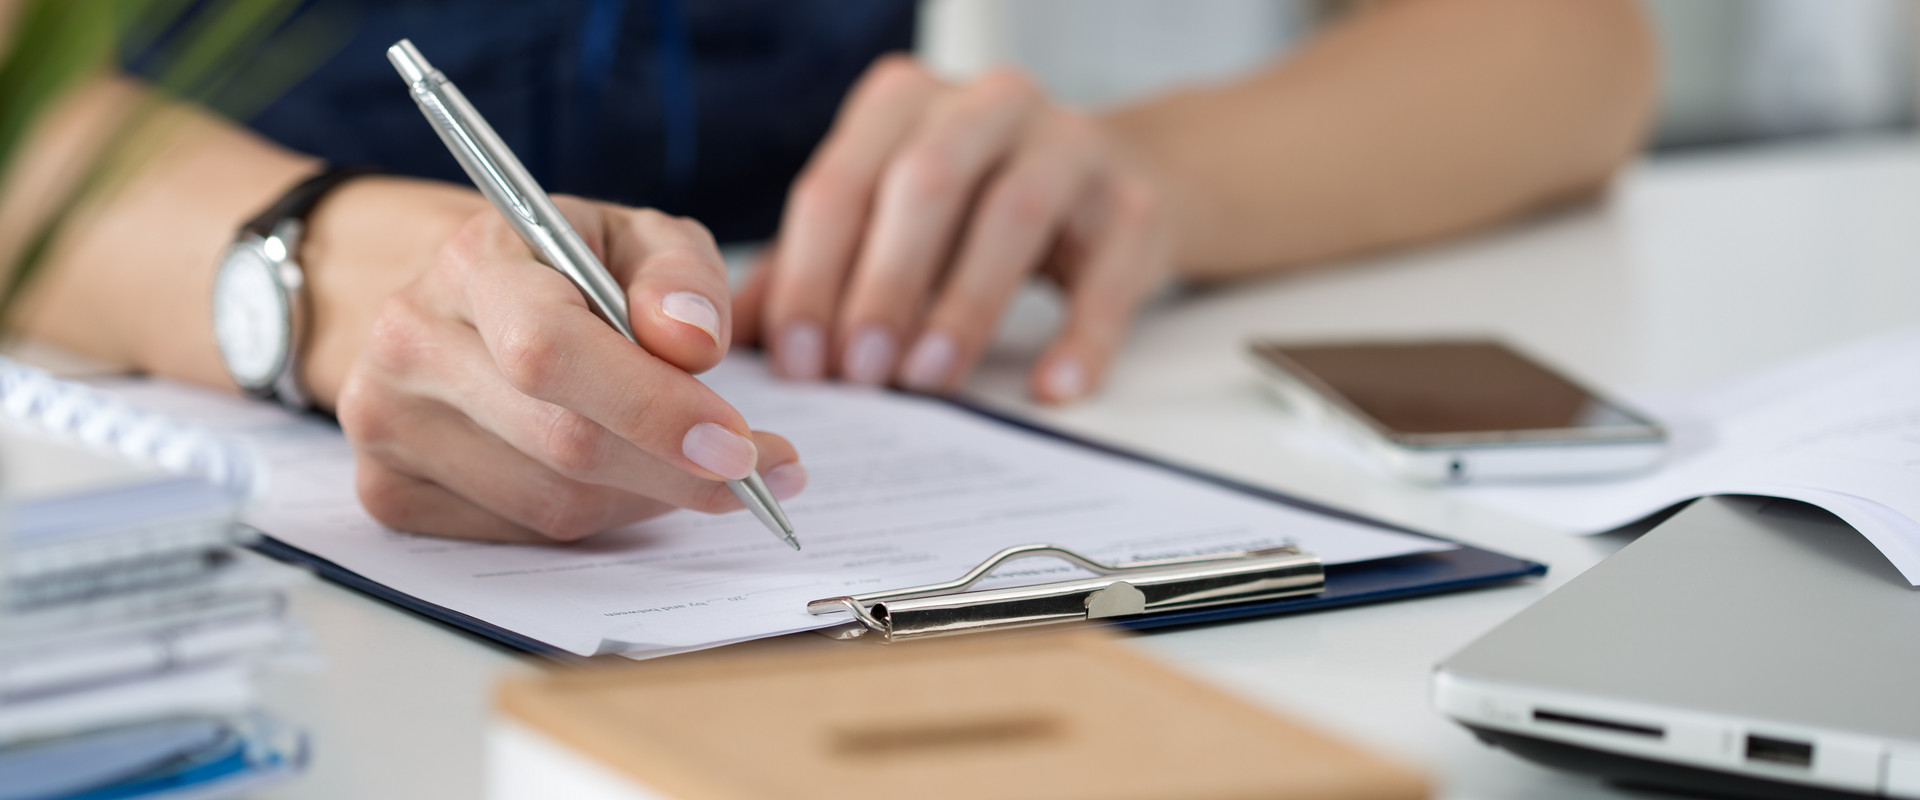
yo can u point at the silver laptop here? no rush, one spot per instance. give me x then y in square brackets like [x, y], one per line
[1747, 646]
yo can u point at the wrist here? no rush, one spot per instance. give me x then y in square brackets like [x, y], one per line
[1191, 213]
[366, 240]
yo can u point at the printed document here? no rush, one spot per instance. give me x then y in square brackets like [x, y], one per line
[1840, 430]
[904, 491]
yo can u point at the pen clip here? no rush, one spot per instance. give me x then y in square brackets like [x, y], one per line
[490, 178]
[427, 85]
[506, 183]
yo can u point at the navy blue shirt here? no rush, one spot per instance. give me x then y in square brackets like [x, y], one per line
[706, 108]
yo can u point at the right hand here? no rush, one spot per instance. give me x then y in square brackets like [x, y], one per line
[489, 401]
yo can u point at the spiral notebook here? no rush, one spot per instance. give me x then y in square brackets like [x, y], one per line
[123, 597]
[49, 416]
[102, 495]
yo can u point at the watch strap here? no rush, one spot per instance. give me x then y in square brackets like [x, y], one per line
[300, 201]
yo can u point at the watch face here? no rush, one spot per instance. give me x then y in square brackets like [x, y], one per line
[250, 318]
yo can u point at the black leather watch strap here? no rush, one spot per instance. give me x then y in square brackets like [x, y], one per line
[300, 200]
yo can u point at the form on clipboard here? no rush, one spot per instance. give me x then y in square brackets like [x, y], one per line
[904, 491]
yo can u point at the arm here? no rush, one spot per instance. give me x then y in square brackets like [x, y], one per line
[482, 397]
[1413, 121]
[131, 281]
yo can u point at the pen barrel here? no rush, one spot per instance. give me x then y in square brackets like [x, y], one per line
[505, 182]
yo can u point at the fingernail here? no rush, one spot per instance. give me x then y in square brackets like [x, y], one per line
[694, 310]
[870, 356]
[930, 362]
[802, 355]
[1066, 380]
[786, 480]
[719, 450]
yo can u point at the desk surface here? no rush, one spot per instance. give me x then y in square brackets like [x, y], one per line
[1694, 270]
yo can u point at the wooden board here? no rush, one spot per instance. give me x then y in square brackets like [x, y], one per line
[1075, 715]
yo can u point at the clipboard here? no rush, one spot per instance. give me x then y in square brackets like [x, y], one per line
[1400, 577]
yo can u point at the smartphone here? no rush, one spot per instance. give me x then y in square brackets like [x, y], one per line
[1462, 411]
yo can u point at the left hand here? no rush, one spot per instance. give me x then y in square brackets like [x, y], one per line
[927, 207]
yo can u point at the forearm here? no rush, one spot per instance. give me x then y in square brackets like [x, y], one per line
[1414, 120]
[130, 279]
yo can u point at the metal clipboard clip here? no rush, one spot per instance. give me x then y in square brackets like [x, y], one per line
[1121, 590]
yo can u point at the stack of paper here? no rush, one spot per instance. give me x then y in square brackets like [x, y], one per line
[131, 625]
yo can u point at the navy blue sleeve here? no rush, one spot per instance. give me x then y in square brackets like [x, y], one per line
[705, 108]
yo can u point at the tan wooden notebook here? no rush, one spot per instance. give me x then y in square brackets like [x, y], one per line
[1075, 715]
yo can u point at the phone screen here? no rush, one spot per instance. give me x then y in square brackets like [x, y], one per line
[1451, 388]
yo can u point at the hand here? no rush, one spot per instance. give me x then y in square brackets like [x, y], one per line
[489, 401]
[927, 207]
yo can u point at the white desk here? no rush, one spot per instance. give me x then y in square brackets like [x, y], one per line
[1695, 270]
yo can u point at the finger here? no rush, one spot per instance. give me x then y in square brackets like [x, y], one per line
[676, 282]
[1128, 262]
[827, 211]
[779, 466]
[508, 485]
[406, 503]
[1020, 213]
[750, 299]
[922, 201]
[562, 440]
[547, 345]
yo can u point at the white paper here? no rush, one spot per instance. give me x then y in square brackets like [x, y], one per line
[904, 491]
[1840, 430]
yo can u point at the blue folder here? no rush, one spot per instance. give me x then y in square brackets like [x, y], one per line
[1400, 577]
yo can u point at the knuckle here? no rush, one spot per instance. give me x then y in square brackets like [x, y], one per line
[573, 445]
[530, 358]
[1075, 129]
[826, 190]
[698, 232]
[366, 414]
[680, 260]
[639, 412]
[971, 315]
[1009, 85]
[569, 512]
[386, 499]
[894, 74]
[469, 245]
[650, 217]
[396, 341]
[1135, 201]
[927, 172]
[1026, 201]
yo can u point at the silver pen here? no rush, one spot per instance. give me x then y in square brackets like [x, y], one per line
[500, 177]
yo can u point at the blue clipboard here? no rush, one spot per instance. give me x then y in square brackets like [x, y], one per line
[1382, 580]
[1400, 577]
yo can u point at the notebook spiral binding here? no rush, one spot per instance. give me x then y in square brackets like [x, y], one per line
[94, 419]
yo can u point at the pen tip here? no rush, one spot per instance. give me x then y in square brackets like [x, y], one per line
[793, 542]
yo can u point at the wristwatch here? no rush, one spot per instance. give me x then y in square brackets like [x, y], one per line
[259, 297]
